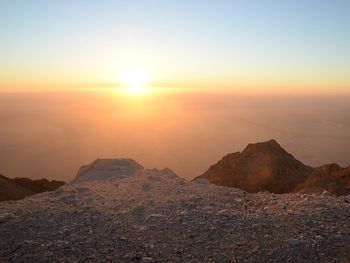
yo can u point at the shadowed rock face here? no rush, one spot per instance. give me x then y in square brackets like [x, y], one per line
[344, 176]
[330, 177]
[18, 188]
[266, 166]
[101, 169]
[331, 169]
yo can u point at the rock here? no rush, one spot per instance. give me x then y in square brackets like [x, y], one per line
[294, 242]
[154, 178]
[168, 172]
[170, 205]
[146, 186]
[147, 260]
[19, 188]
[101, 169]
[184, 213]
[326, 193]
[201, 181]
[224, 212]
[347, 199]
[307, 198]
[6, 217]
[281, 205]
[321, 182]
[156, 216]
[264, 166]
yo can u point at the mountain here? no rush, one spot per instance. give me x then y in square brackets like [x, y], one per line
[151, 215]
[266, 166]
[18, 188]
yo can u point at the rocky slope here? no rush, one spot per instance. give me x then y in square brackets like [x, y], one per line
[18, 188]
[266, 166]
[324, 180]
[155, 216]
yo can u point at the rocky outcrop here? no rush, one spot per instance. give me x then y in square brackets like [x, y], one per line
[344, 176]
[101, 169]
[266, 166]
[319, 181]
[329, 178]
[18, 188]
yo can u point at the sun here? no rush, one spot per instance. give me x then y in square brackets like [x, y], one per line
[135, 80]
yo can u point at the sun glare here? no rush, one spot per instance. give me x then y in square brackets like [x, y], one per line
[136, 80]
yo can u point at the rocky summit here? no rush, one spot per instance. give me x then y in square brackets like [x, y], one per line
[266, 166]
[101, 169]
[151, 215]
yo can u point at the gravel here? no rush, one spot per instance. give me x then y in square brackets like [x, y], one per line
[155, 216]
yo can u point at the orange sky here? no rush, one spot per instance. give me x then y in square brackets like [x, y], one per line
[282, 48]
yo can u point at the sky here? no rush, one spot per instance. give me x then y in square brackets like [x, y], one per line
[229, 45]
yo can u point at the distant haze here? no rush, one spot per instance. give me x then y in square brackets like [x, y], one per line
[51, 135]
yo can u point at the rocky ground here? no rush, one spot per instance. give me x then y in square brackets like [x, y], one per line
[155, 216]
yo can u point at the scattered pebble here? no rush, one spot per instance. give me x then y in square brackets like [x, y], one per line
[155, 216]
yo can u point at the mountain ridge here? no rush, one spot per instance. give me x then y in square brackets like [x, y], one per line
[20, 187]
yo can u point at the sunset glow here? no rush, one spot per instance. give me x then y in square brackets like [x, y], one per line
[232, 46]
[135, 76]
[175, 131]
[135, 80]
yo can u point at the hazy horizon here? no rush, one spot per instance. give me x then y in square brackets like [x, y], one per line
[52, 134]
[170, 83]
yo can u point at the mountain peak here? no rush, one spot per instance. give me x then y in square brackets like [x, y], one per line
[271, 146]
